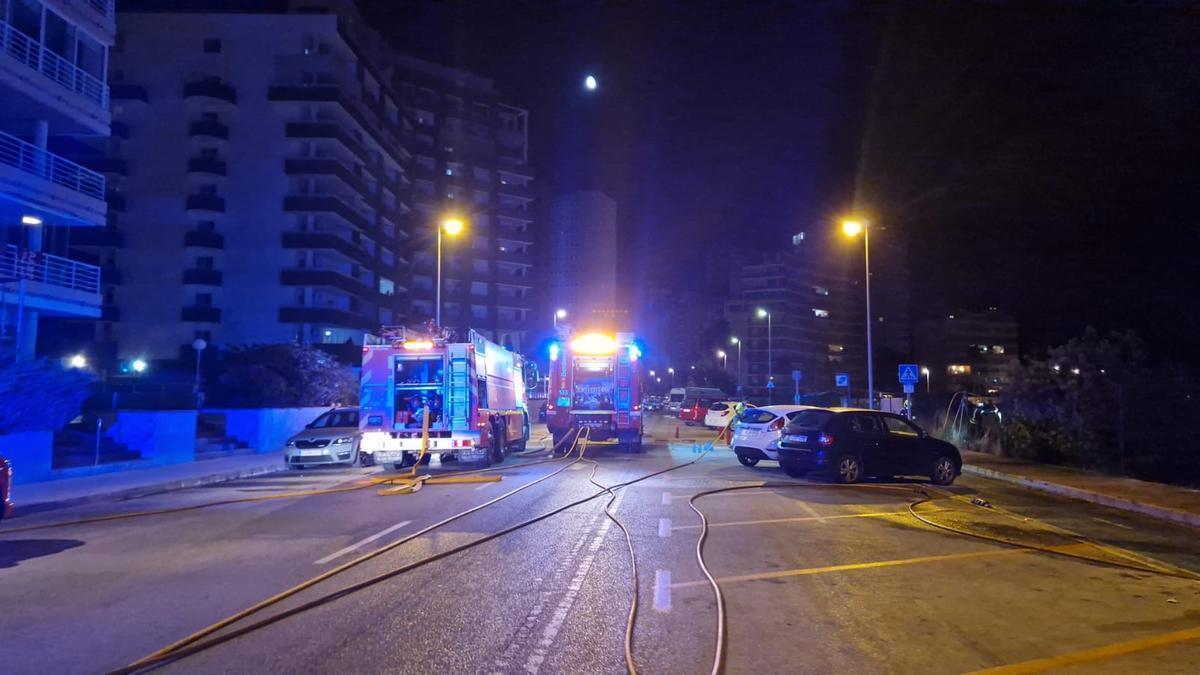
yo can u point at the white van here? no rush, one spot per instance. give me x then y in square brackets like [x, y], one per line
[678, 394]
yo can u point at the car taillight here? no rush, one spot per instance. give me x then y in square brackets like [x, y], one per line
[825, 440]
[777, 425]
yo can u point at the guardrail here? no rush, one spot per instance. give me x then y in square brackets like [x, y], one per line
[30, 52]
[49, 269]
[32, 159]
[104, 7]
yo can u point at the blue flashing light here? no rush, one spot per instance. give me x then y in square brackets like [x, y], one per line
[554, 351]
[634, 352]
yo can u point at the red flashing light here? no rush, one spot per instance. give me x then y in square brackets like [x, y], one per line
[825, 440]
[777, 425]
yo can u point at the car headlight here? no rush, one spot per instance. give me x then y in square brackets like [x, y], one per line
[291, 444]
[343, 440]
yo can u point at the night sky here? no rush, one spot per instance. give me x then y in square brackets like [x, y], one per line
[1041, 158]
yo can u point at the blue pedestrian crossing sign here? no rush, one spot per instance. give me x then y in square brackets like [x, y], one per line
[841, 380]
[909, 374]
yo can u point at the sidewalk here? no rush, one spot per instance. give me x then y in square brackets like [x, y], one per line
[1167, 502]
[56, 494]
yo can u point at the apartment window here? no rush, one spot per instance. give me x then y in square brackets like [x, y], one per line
[821, 313]
[957, 369]
[208, 189]
[204, 262]
[479, 311]
[212, 46]
[983, 349]
[208, 153]
[820, 290]
[206, 225]
[204, 299]
[386, 286]
[837, 348]
[997, 349]
[210, 117]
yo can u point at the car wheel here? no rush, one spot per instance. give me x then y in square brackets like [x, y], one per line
[943, 472]
[365, 458]
[747, 461]
[793, 469]
[849, 469]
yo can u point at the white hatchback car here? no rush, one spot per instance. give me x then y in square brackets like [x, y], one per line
[720, 414]
[756, 436]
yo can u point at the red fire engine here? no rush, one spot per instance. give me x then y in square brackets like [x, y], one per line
[595, 382]
[473, 392]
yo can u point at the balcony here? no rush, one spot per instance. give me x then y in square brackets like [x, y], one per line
[328, 278]
[204, 239]
[53, 285]
[202, 314]
[328, 204]
[204, 204]
[210, 166]
[332, 131]
[209, 129]
[332, 93]
[202, 277]
[212, 89]
[329, 241]
[325, 166]
[32, 55]
[326, 315]
[129, 92]
[49, 185]
[511, 188]
[513, 256]
[508, 211]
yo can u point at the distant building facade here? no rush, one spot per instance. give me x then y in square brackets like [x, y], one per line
[53, 85]
[582, 259]
[975, 351]
[279, 178]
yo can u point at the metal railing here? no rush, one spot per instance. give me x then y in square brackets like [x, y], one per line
[32, 159]
[104, 7]
[16, 263]
[30, 52]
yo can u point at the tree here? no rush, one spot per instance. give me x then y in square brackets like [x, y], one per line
[283, 376]
[39, 395]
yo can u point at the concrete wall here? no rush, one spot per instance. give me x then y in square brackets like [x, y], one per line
[162, 436]
[267, 429]
[30, 453]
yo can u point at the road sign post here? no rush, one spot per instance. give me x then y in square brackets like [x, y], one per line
[909, 375]
[842, 381]
[796, 375]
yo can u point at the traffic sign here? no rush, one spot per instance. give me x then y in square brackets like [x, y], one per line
[796, 375]
[908, 388]
[770, 384]
[909, 374]
[841, 380]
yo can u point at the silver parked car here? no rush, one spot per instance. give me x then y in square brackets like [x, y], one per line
[332, 438]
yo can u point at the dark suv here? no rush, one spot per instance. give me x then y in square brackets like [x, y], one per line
[852, 443]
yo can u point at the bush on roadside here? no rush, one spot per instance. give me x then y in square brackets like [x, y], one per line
[282, 376]
[39, 394]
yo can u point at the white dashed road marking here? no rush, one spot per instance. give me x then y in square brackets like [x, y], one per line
[362, 542]
[664, 527]
[662, 590]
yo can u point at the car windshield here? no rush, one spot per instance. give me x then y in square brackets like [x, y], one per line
[336, 419]
[810, 419]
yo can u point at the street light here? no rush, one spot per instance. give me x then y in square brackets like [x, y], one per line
[78, 361]
[852, 228]
[559, 314]
[198, 345]
[139, 366]
[925, 372]
[453, 227]
[764, 314]
[724, 361]
[671, 372]
[736, 341]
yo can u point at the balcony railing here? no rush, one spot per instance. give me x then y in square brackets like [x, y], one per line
[48, 269]
[102, 7]
[209, 165]
[210, 128]
[325, 315]
[29, 52]
[203, 239]
[206, 203]
[202, 277]
[32, 159]
[210, 89]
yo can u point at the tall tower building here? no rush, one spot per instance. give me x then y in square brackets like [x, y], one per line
[582, 258]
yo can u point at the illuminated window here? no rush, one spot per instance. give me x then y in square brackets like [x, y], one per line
[983, 349]
[837, 348]
[997, 349]
[958, 369]
[820, 290]
[820, 313]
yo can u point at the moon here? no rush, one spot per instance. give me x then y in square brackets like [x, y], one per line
[590, 82]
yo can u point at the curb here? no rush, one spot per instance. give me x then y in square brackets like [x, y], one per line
[1160, 512]
[144, 490]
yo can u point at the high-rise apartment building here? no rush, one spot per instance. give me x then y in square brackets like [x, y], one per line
[815, 326]
[53, 85]
[975, 351]
[278, 177]
[582, 259]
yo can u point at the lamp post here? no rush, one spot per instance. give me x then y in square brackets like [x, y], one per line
[198, 345]
[852, 228]
[736, 341]
[764, 314]
[671, 372]
[724, 361]
[925, 372]
[559, 314]
[453, 227]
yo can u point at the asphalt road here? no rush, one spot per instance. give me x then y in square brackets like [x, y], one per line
[815, 578]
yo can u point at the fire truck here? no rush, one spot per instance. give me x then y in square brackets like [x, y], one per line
[473, 393]
[595, 383]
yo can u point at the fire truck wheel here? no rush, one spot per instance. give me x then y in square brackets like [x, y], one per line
[408, 460]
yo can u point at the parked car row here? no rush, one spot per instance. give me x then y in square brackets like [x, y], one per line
[849, 443]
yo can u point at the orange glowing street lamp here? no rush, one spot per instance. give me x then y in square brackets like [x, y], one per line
[453, 227]
[853, 228]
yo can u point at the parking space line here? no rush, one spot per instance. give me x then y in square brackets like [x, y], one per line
[662, 590]
[363, 542]
[664, 527]
[1094, 654]
[798, 519]
[804, 571]
[805, 507]
[1110, 522]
